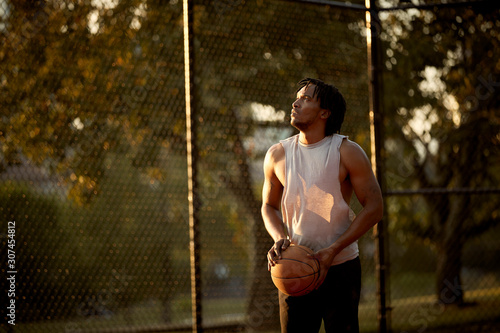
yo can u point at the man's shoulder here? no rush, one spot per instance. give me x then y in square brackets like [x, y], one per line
[349, 146]
[291, 139]
[274, 161]
[352, 155]
[276, 151]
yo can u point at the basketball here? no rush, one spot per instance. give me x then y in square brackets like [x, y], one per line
[295, 274]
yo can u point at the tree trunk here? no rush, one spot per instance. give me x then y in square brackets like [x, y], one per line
[263, 308]
[449, 285]
[449, 262]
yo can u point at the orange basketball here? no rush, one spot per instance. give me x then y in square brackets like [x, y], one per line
[295, 274]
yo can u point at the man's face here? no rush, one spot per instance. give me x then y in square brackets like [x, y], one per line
[306, 109]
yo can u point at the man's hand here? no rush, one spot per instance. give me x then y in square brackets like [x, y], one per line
[325, 259]
[275, 252]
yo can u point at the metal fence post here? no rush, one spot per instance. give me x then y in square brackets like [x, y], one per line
[377, 146]
[193, 199]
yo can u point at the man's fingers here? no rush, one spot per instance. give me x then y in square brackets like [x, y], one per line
[272, 256]
[280, 246]
[277, 251]
[321, 278]
[286, 243]
[274, 253]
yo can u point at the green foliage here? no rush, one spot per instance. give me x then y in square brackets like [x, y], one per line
[45, 248]
[442, 128]
[133, 237]
[71, 96]
[442, 76]
[94, 94]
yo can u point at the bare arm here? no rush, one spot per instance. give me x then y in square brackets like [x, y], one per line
[367, 190]
[271, 202]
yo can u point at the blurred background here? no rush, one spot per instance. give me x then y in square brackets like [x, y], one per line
[93, 163]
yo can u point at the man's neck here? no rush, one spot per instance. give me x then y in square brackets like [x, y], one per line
[310, 138]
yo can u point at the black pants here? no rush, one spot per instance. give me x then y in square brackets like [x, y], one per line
[335, 302]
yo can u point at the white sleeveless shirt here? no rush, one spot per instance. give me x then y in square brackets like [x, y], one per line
[314, 212]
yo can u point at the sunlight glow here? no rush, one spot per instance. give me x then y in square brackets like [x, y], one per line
[421, 123]
[432, 85]
[104, 4]
[420, 126]
[77, 124]
[93, 16]
[93, 21]
[261, 112]
[451, 104]
[4, 13]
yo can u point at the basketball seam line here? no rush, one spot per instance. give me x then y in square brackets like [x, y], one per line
[293, 277]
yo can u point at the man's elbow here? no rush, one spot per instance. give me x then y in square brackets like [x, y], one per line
[378, 210]
[268, 210]
[264, 209]
[374, 209]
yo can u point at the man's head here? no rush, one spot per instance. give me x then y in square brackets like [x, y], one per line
[330, 99]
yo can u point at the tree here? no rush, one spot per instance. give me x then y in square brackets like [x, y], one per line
[247, 53]
[87, 86]
[441, 75]
[75, 95]
[42, 241]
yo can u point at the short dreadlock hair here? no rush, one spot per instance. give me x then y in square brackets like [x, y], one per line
[331, 99]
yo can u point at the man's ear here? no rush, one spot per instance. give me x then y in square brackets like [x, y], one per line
[325, 113]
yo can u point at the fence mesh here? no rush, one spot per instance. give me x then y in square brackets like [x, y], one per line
[93, 180]
[442, 164]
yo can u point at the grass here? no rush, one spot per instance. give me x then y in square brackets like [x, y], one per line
[421, 313]
[409, 314]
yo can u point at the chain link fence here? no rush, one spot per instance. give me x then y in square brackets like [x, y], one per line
[442, 158]
[93, 181]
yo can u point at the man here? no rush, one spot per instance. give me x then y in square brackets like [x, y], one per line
[309, 181]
